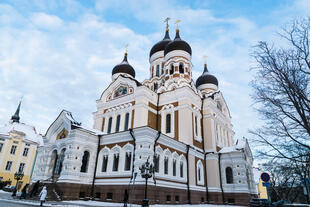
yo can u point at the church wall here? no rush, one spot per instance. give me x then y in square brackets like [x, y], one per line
[213, 173]
[209, 133]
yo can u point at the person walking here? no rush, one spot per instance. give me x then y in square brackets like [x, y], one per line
[126, 198]
[24, 192]
[43, 195]
[35, 188]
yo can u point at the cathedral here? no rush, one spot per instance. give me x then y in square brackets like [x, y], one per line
[180, 126]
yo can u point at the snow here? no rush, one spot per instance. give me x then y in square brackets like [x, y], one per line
[240, 144]
[29, 131]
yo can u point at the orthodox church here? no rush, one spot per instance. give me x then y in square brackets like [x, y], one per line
[180, 126]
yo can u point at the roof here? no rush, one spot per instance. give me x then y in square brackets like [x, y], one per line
[178, 44]
[29, 131]
[124, 67]
[161, 45]
[240, 144]
[206, 77]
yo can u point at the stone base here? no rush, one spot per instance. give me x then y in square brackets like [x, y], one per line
[156, 194]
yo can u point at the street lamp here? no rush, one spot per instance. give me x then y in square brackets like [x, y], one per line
[17, 176]
[147, 170]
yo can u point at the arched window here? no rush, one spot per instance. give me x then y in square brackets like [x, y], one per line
[168, 123]
[199, 174]
[156, 163]
[171, 69]
[126, 121]
[174, 167]
[127, 161]
[166, 165]
[181, 68]
[118, 119]
[157, 70]
[104, 163]
[85, 161]
[115, 162]
[181, 169]
[59, 162]
[54, 161]
[229, 175]
[219, 105]
[110, 125]
[155, 86]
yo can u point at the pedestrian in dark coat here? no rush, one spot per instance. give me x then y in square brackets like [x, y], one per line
[24, 192]
[35, 188]
[125, 198]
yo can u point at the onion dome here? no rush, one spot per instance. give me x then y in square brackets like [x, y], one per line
[178, 44]
[206, 78]
[124, 67]
[161, 45]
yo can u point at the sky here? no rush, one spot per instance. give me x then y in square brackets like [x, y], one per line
[59, 54]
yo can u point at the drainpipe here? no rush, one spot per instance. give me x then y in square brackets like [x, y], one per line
[188, 190]
[204, 152]
[95, 171]
[134, 153]
[158, 134]
[223, 197]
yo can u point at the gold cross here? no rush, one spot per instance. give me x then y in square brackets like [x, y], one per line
[177, 23]
[126, 48]
[166, 20]
[205, 59]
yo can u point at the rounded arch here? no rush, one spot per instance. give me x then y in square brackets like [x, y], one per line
[229, 175]
[200, 173]
[85, 161]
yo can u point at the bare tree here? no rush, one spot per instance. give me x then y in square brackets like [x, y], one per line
[281, 92]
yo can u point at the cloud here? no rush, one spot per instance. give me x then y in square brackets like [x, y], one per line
[46, 21]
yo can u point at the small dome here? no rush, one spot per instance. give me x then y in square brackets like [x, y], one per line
[124, 67]
[161, 45]
[178, 44]
[206, 78]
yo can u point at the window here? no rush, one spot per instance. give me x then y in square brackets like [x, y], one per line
[219, 105]
[8, 165]
[174, 168]
[181, 68]
[118, 119]
[1, 145]
[157, 70]
[171, 69]
[177, 198]
[196, 126]
[115, 162]
[166, 165]
[168, 123]
[110, 125]
[98, 195]
[104, 163]
[13, 149]
[21, 167]
[109, 196]
[82, 194]
[127, 161]
[168, 198]
[155, 86]
[59, 162]
[126, 121]
[229, 175]
[156, 163]
[199, 174]
[25, 153]
[181, 169]
[85, 161]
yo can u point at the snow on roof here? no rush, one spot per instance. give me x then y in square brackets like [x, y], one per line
[29, 131]
[240, 144]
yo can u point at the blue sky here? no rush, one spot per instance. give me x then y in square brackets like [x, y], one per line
[58, 54]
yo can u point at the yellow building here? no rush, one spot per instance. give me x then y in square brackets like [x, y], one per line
[18, 149]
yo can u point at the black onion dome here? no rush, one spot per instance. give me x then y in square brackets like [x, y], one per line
[124, 67]
[178, 44]
[206, 77]
[161, 45]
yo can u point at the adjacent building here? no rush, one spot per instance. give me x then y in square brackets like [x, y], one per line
[182, 127]
[18, 150]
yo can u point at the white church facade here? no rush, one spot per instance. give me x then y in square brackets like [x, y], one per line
[183, 128]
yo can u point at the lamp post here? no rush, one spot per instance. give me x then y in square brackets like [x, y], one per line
[147, 170]
[17, 176]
